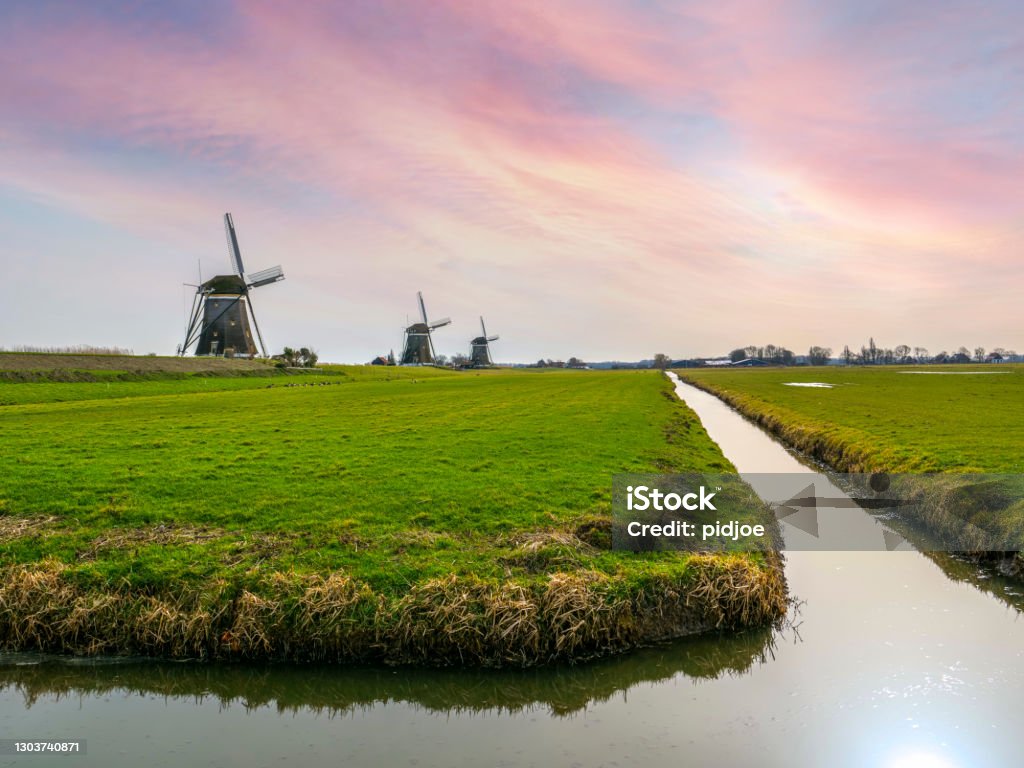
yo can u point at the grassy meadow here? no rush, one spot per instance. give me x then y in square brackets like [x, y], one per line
[966, 421]
[356, 512]
[924, 419]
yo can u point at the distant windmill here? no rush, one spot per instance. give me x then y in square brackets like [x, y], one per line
[219, 321]
[479, 349]
[419, 349]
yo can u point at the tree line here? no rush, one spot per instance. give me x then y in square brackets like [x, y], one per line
[572, 362]
[768, 353]
[871, 354]
[902, 354]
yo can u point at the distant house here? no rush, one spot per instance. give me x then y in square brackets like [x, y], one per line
[379, 360]
[749, 362]
[994, 357]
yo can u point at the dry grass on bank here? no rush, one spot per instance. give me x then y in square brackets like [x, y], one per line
[453, 620]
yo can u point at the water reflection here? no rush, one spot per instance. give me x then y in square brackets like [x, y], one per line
[337, 690]
[983, 578]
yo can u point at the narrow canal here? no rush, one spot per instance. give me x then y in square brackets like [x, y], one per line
[888, 659]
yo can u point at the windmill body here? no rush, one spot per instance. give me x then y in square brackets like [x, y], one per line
[480, 349]
[222, 318]
[419, 347]
[225, 325]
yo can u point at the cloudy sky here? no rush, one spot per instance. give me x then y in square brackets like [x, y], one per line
[601, 179]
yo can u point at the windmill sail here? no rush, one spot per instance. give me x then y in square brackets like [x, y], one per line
[265, 277]
[423, 307]
[236, 254]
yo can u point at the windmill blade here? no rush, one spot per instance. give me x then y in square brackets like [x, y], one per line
[252, 314]
[193, 328]
[491, 338]
[439, 323]
[423, 307]
[482, 326]
[236, 254]
[265, 277]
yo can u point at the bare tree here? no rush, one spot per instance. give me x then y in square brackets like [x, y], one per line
[819, 355]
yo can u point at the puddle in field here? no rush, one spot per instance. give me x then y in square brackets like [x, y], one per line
[817, 384]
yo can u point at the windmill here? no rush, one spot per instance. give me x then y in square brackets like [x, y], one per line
[479, 349]
[419, 349]
[219, 321]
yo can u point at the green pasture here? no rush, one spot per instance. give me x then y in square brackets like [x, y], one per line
[956, 420]
[920, 419]
[392, 476]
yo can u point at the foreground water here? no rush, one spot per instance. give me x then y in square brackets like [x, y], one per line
[888, 659]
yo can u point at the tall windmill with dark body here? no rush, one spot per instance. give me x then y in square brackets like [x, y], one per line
[479, 348]
[419, 348]
[222, 307]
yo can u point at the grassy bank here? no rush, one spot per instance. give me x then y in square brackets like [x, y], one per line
[955, 419]
[361, 513]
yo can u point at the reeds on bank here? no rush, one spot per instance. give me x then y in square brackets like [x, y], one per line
[452, 620]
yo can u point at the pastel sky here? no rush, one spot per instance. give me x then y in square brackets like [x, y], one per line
[598, 178]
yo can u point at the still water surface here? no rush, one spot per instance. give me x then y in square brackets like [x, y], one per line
[888, 659]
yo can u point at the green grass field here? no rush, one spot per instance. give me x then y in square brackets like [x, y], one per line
[954, 420]
[415, 487]
[887, 418]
